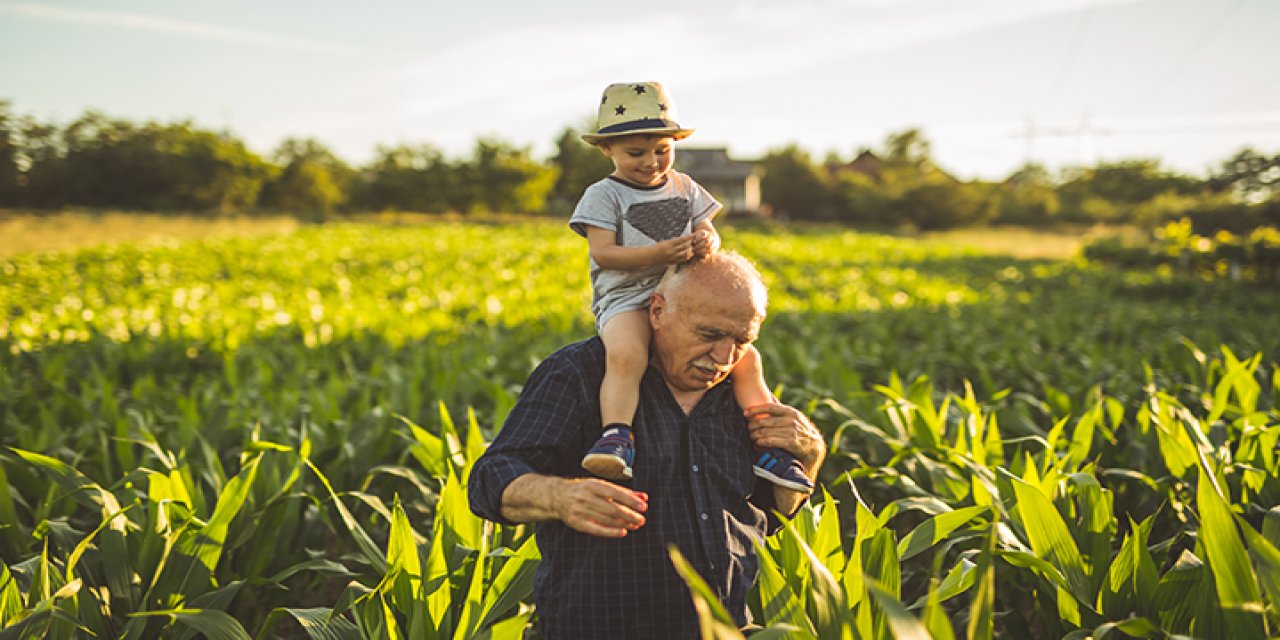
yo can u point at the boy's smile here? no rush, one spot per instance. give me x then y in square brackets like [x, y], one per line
[642, 160]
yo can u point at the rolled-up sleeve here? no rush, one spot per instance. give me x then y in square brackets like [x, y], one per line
[542, 435]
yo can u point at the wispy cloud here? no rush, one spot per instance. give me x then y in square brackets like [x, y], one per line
[184, 28]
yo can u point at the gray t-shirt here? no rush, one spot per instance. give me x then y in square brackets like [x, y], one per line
[638, 216]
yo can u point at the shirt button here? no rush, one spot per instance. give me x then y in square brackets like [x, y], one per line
[696, 469]
[704, 516]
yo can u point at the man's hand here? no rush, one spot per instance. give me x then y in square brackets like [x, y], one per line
[784, 427]
[593, 506]
[600, 508]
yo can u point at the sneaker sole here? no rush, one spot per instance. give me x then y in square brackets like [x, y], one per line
[606, 466]
[782, 482]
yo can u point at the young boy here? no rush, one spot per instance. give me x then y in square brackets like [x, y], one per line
[641, 219]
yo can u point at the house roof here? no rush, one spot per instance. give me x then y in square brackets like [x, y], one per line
[706, 164]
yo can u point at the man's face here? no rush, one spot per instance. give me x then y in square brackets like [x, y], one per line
[700, 334]
[642, 160]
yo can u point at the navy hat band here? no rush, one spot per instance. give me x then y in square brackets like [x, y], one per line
[646, 123]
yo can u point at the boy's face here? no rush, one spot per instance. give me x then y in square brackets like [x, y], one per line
[642, 160]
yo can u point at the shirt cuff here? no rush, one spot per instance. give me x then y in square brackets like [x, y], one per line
[489, 479]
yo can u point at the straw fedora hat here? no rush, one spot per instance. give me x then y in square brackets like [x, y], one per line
[629, 108]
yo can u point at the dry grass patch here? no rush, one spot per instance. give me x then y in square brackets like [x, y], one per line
[27, 232]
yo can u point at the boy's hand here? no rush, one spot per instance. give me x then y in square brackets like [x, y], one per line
[705, 243]
[676, 250]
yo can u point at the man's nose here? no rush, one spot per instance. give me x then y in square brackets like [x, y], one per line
[722, 351]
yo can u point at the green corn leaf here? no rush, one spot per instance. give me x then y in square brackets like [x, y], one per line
[454, 452]
[934, 617]
[1132, 579]
[780, 602]
[715, 622]
[319, 623]
[902, 625]
[81, 488]
[826, 540]
[11, 604]
[512, 628]
[215, 625]
[1232, 574]
[428, 449]
[1180, 591]
[1131, 628]
[1271, 524]
[982, 609]
[1082, 437]
[935, 530]
[959, 579]
[11, 539]
[472, 606]
[1266, 558]
[371, 551]
[1176, 447]
[513, 584]
[476, 444]
[1050, 538]
[208, 543]
[436, 584]
[217, 600]
[455, 509]
[403, 561]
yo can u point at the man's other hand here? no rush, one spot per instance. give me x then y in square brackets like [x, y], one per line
[599, 507]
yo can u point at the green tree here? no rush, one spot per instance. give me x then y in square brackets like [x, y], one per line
[407, 177]
[312, 180]
[578, 165]
[1028, 197]
[944, 204]
[1249, 175]
[506, 179]
[109, 162]
[794, 187]
[9, 174]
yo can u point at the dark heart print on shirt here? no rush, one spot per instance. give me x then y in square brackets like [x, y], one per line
[661, 219]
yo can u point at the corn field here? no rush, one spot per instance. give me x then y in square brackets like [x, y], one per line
[271, 437]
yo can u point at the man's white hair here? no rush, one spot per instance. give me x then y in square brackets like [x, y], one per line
[730, 269]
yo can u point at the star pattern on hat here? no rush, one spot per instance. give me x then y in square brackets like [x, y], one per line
[620, 110]
[639, 89]
[662, 107]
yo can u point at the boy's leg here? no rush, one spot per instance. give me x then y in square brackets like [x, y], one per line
[626, 344]
[749, 388]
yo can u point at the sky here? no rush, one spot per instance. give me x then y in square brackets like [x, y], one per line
[992, 84]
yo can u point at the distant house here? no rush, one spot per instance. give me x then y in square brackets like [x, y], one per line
[735, 183]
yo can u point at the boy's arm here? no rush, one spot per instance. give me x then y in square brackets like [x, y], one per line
[607, 253]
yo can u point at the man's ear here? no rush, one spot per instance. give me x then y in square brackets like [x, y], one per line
[657, 306]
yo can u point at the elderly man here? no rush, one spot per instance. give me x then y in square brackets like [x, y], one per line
[605, 570]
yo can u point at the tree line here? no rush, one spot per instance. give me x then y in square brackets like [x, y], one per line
[98, 161]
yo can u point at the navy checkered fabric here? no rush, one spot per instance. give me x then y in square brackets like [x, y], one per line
[703, 498]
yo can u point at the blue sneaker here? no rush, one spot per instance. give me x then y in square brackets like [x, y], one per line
[782, 468]
[612, 455]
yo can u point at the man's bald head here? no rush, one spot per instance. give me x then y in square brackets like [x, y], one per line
[723, 274]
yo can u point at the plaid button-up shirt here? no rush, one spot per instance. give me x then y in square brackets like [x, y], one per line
[703, 498]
